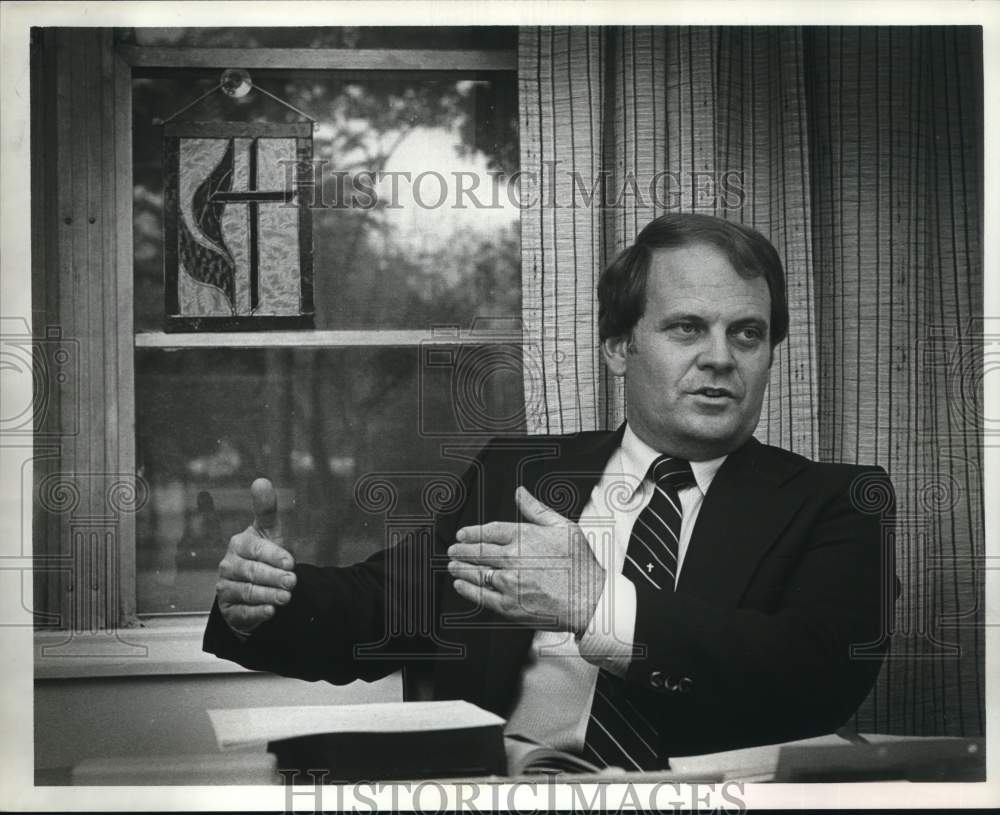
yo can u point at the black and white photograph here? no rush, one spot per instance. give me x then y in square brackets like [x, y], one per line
[498, 406]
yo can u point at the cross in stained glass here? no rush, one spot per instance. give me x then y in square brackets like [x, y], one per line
[253, 198]
[238, 247]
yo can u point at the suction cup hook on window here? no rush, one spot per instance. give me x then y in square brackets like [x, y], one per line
[236, 82]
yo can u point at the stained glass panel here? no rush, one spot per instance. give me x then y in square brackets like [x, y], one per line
[238, 245]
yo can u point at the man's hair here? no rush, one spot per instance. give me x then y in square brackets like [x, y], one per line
[621, 292]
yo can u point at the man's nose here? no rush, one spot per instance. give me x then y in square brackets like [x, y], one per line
[716, 352]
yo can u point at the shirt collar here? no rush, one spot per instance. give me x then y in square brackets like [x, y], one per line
[637, 456]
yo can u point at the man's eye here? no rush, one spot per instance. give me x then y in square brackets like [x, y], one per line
[684, 329]
[750, 333]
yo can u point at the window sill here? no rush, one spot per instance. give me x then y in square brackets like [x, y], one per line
[163, 647]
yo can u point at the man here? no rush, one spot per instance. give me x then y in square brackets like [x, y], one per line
[674, 587]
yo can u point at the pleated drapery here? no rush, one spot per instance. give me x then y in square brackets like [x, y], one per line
[858, 152]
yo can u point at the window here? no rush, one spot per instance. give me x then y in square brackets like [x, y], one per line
[414, 356]
[412, 230]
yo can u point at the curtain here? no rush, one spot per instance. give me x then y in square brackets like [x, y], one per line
[858, 152]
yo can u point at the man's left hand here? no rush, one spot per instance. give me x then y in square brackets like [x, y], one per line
[541, 571]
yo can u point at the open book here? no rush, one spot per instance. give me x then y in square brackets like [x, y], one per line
[527, 757]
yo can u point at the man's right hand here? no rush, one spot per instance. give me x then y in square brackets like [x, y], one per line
[256, 573]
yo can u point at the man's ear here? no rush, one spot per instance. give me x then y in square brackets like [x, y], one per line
[616, 352]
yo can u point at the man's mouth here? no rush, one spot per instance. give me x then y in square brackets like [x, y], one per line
[716, 393]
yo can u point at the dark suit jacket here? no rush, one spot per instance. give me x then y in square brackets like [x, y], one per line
[776, 631]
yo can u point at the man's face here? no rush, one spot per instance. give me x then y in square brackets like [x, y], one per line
[696, 373]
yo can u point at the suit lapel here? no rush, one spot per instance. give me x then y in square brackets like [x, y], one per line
[748, 504]
[565, 483]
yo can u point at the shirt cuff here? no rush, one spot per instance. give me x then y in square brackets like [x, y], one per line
[607, 642]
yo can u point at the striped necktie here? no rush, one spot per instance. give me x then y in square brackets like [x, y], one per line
[652, 556]
[618, 734]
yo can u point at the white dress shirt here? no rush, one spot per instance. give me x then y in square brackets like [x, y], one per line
[557, 684]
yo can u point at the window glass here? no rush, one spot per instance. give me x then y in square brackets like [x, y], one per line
[326, 426]
[411, 190]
